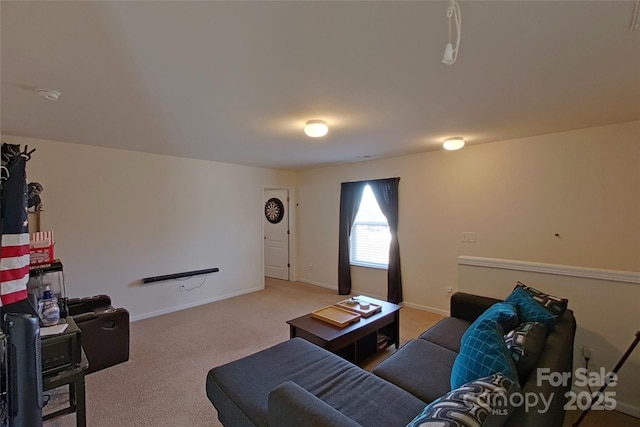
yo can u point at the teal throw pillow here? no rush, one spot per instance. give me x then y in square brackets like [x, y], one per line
[483, 402]
[483, 352]
[529, 310]
[554, 304]
[502, 312]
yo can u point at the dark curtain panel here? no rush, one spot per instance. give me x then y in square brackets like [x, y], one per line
[350, 197]
[386, 192]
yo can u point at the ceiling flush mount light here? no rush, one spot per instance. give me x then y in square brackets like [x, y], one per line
[50, 94]
[451, 53]
[316, 128]
[453, 144]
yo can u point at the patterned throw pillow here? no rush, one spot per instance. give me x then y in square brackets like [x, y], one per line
[529, 310]
[502, 312]
[483, 402]
[554, 304]
[525, 344]
[482, 353]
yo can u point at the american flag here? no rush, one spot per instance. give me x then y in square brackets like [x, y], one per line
[14, 255]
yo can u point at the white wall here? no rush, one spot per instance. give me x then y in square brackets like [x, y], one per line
[605, 306]
[119, 216]
[583, 185]
[516, 195]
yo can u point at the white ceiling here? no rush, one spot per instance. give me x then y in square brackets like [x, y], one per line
[234, 82]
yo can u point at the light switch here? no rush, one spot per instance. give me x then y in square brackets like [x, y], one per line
[469, 237]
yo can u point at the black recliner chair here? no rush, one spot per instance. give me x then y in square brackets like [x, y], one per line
[105, 330]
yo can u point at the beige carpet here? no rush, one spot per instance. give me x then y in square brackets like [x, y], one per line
[163, 383]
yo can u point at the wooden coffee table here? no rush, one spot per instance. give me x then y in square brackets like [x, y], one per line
[355, 342]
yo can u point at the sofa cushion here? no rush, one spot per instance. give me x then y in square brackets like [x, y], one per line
[420, 367]
[555, 305]
[240, 389]
[529, 310]
[483, 402]
[291, 405]
[525, 344]
[504, 313]
[483, 353]
[447, 333]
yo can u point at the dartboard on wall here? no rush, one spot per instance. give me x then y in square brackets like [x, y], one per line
[274, 210]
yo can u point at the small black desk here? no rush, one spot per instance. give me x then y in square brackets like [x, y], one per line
[73, 376]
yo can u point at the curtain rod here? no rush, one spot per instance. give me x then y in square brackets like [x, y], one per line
[371, 180]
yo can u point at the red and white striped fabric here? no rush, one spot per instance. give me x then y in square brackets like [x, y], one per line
[42, 239]
[14, 268]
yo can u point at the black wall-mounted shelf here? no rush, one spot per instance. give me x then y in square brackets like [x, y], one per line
[179, 275]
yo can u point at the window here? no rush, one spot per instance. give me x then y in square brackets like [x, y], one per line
[370, 236]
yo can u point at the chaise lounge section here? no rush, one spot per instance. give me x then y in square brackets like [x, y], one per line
[297, 383]
[241, 390]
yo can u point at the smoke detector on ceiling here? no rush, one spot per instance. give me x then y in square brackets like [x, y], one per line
[50, 94]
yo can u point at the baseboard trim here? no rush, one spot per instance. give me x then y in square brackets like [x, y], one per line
[628, 409]
[625, 408]
[427, 308]
[557, 269]
[334, 288]
[313, 282]
[366, 294]
[380, 297]
[192, 304]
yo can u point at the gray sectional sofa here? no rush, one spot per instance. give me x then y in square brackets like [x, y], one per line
[296, 383]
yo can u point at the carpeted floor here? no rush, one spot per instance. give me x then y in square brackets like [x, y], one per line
[163, 383]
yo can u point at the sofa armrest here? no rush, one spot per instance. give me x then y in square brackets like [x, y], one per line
[468, 306]
[83, 305]
[105, 337]
[83, 317]
[291, 405]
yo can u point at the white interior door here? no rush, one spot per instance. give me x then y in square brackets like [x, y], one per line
[276, 234]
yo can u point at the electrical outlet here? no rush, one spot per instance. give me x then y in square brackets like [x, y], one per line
[449, 289]
[469, 237]
[586, 352]
[310, 267]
